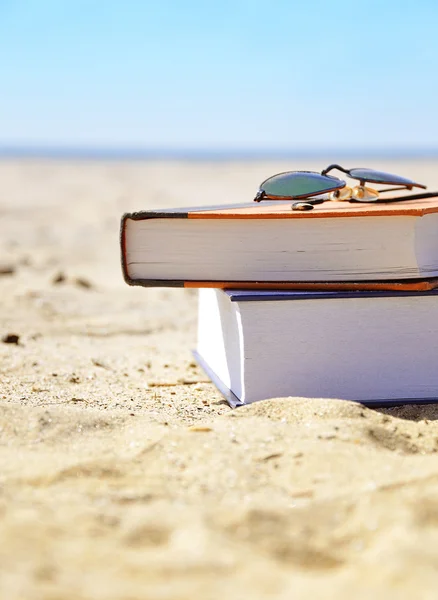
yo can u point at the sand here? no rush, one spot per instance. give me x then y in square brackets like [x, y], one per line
[125, 475]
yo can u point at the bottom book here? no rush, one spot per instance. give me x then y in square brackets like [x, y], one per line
[378, 348]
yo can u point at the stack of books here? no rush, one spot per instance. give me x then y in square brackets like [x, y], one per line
[336, 302]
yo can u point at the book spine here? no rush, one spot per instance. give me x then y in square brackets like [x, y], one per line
[141, 216]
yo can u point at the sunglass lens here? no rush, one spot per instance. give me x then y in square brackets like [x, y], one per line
[300, 184]
[372, 176]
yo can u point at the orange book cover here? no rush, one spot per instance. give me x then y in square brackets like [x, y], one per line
[416, 208]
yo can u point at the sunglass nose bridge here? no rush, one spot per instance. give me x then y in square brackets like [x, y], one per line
[334, 166]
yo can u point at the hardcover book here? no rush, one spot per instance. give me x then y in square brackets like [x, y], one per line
[379, 348]
[338, 245]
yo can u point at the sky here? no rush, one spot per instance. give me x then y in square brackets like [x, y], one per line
[226, 75]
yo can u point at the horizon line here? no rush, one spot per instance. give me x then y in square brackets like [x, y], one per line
[144, 153]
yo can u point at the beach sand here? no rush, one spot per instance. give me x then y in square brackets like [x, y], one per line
[125, 475]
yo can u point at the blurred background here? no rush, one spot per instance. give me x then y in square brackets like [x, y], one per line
[203, 79]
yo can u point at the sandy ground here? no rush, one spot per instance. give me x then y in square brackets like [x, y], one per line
[123, 472]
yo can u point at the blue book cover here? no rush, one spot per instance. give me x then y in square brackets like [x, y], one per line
[264, 295]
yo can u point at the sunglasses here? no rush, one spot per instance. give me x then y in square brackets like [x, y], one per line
[316, 188]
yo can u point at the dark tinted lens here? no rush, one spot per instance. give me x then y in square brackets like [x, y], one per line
[380, 177]
[300, 184]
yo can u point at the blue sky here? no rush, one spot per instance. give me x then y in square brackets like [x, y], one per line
[230, 74]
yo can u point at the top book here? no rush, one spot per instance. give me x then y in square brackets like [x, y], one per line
[392, 245]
